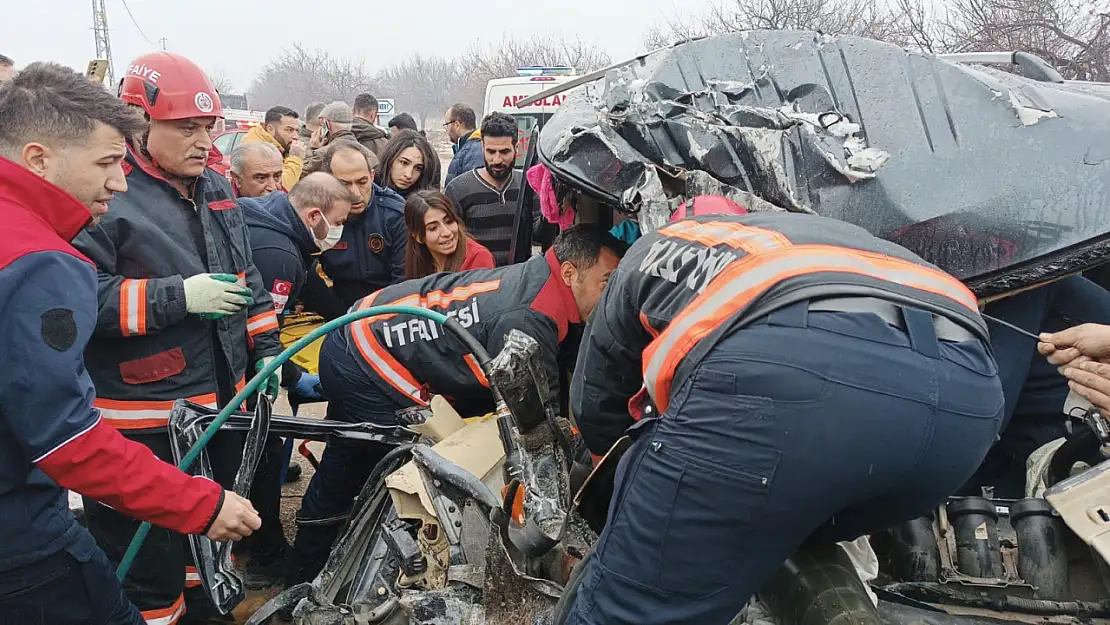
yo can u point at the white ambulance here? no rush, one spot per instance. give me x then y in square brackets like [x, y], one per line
[502, 95]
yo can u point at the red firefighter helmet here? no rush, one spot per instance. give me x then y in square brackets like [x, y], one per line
[708, 205]
[169, 86]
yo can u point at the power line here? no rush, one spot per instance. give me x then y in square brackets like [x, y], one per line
[136, 23]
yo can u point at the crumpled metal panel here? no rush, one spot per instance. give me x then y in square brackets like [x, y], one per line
[1000, 180]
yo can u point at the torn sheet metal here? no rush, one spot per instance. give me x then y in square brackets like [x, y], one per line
[996, 178]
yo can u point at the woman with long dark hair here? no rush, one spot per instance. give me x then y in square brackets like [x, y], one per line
[407, 164]
[439, 240]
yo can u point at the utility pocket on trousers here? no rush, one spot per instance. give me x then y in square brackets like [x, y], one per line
[678, 513]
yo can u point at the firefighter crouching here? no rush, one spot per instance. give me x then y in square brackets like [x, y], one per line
[373, 368]
[183, 312]
[61, 144]
[801, 380]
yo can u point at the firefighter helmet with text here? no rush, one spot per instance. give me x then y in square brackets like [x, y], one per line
[169, 86]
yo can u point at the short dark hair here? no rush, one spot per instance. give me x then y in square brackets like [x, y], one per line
[404, 121]
[463, 114]
[366, 102]
[581, 244]
[499, 125]
[321, 160]
[52, 104]
[6, 60]
[319, 190]
[274, 115]
[313, 111]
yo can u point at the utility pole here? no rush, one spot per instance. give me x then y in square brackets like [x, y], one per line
[162, 43]
[103, 40]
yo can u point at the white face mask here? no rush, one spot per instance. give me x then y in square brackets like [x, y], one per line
[333, 236]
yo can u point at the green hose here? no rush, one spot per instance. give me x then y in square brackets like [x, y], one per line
[256, 381]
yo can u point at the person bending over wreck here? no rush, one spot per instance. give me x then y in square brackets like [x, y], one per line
[791, 378]
[375, 367]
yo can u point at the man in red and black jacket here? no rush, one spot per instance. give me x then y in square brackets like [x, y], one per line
[61, 148]
[375, 367]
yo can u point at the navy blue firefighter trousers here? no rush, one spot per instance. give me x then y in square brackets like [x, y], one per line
[806, 425]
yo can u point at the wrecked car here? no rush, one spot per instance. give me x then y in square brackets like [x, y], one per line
[995, 177]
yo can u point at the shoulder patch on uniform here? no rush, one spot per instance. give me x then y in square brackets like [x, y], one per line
[221, 205]
[377, 243]
[280, 293]
[59, 330]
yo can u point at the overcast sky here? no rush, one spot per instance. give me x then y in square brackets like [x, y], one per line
[238, 37]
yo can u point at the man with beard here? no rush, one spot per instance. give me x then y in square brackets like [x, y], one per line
[256, 169]
[280, 129]
[183, 311]
[62, 144]
[486, 197]
[365, 125]
[371, 253]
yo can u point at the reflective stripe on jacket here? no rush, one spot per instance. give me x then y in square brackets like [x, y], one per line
[147, 351]
[410, 357]
[681, 288]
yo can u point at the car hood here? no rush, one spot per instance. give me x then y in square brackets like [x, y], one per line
[1001, 180]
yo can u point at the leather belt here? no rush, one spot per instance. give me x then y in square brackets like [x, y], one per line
[946, 329]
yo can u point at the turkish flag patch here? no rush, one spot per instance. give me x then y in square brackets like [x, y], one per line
[280, 293]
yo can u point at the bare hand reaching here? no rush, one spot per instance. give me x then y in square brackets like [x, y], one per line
[1089, 341]
[236, 520]
[297, 148]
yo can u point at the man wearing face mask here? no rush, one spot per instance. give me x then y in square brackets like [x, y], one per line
[371, 253]
[286, 232]
[183, 311]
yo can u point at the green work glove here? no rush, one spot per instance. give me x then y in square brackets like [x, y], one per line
[216, 295]
[273, 383]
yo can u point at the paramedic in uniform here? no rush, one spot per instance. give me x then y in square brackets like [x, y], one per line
[785, 377]
[375, 367]
[183, 313]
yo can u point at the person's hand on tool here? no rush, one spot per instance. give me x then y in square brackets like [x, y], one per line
[273, 382]
[297, 148]
[1091, 380]
[215, 295]
[236, 520]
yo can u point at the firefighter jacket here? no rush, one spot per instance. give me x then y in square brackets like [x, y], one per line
[281, 246]
[51, 437]
[411, 358]
[371, 253]
[147, 351]
[685, 286]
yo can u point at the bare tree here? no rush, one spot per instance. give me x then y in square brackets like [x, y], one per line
[221, 81]
[1072, 35]
[422, 86]
[299, 77]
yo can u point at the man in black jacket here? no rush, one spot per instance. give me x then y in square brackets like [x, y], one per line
[374, 367]
[286, 232]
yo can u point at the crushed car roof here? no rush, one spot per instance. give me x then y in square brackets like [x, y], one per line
[998, 179]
